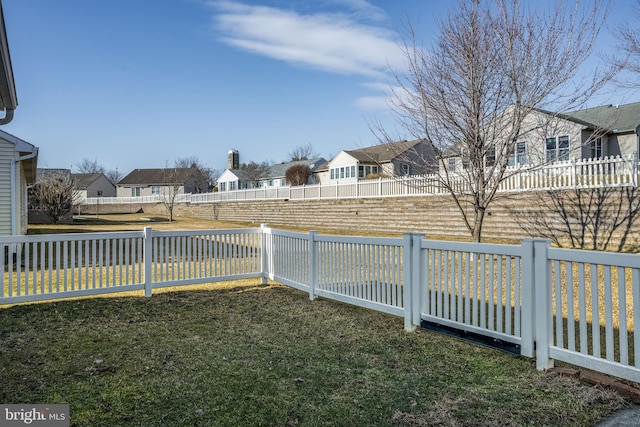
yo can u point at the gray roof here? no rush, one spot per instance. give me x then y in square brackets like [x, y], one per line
[279, 170]
[162, 176]
[383, 153]
[84, 180]
[616, 118]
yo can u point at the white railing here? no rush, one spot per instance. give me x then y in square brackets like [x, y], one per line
[581, 173]
[581, 307]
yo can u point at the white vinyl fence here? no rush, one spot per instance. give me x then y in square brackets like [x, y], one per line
[581, 307]
[578, 173]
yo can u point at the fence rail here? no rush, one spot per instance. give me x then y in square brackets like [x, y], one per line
[581, 307]
[578, 173]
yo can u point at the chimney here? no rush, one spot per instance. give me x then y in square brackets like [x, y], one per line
[233, 161]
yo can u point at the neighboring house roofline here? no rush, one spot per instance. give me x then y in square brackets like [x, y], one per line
[383, 153]
[84, 180]
[157, 176]
[8, 97]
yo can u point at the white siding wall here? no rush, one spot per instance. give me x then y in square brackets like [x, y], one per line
[345, 160]
[7, 154]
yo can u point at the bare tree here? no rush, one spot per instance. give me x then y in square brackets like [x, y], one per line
[303, 152]
[90, 166]
[173, 182]
[255, 172]
[596, 219]
[54, 195]
[298, 174]
[629, 45]
[204, 178]
[495, 63]
[113, 175]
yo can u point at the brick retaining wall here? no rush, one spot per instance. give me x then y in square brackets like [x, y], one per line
[434, 216]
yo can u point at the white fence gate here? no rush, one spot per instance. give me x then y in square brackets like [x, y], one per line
[581, 307]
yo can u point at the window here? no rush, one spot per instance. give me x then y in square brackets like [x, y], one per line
[353, 171]
[333, 173]
[135, 191]
[341, 172]
[451, 161]
[557, 148]
[361, 171]
[519, 155]
[490, 157]
[155, 190]
[596, 148]
[223, 186]
[232, 185]
[406, 169]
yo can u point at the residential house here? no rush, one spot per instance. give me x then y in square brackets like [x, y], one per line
[391, 159]
[274, 176]
[18, 164]
[150, 182]
[92, 185]
[237, 178]
[546, 137]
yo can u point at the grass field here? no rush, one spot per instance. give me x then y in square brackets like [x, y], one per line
[243, 354]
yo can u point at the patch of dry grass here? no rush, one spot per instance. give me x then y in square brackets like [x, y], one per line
[244, 354]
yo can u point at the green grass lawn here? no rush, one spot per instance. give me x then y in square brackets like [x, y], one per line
[243, 354]
[239, 353]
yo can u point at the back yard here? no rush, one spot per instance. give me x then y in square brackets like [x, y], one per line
[240, 353]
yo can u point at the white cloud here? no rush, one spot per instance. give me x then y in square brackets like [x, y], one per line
[373, 103]
[333, 42]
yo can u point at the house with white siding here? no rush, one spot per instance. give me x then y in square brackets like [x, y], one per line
[400, 158]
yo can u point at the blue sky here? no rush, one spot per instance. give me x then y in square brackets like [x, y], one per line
[139, 83]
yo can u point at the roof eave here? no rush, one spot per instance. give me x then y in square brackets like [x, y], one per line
[8, 97]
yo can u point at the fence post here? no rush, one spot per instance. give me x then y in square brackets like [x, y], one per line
[635, 170]
[416, 282]
[148, 259]
[527, 321]
[542, 304]
[266, 254]
[313, 264]
[407, 286]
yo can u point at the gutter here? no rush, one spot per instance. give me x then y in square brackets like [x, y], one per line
[7, 117]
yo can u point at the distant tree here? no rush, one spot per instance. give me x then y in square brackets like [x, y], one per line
[90, 166]
[172, 180]
[204, 178]
[54, 195]
[255, 172]
[629, 45]
[303, 152]
[113, 175]
[298, 174]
